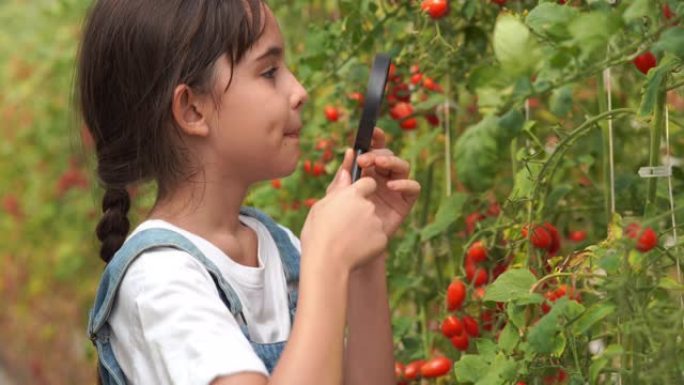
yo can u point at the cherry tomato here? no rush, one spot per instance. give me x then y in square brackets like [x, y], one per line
[318, 169]
[477, 252]
[409, 124]
[476, 275]
[276, 183]
[331, 113]
[645, 62]
[436, 367]
[456, 293]
[412, 370]
[452, 326]
[460, 341]
[401, 110]
[540, 238]
[471, 326]
[577, 235]
[435, 8]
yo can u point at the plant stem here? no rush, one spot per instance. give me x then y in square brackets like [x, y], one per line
[605, 135]
[654, 152]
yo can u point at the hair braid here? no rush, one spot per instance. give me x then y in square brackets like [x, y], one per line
[114, 225]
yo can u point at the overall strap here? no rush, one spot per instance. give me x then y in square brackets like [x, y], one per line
[131, 249]
[288, 253]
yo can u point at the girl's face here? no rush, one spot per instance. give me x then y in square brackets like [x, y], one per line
[255, 130]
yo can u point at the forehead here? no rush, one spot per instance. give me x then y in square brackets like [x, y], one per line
[270, 37]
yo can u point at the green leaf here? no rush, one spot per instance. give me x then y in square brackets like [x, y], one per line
[655, 80]
[561, 101]
[516, 314]
[513, 45]
[595, 369]
[511, 285]
[501, 371]
[449, 211]
[593, 315]
[591, 31]
[672, 40]
[508, 338]
[546, 337]
[487, 348]
[470, 368]
[551, 19]
[636, 10]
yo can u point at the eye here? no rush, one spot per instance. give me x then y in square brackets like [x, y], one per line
[271, 73]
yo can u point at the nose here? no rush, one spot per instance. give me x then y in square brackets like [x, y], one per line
[299, 95]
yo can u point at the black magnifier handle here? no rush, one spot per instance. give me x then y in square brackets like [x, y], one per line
[371, 109]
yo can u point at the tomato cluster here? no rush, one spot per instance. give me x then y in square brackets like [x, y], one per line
[646, 238]
[401, 96]
[415, 370]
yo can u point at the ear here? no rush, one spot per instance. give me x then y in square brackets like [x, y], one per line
[191, 111]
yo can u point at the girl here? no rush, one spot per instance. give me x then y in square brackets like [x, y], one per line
[195, 96]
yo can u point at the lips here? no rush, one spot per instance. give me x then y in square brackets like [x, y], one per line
[293, 132]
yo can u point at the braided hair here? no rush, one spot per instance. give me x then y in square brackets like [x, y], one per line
[132, 56]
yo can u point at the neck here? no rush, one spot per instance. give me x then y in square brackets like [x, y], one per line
[204, 207]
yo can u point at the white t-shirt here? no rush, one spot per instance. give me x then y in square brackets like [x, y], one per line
[169, 325]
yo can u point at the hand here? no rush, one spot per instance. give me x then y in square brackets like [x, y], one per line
[395, 194]
[336, 224]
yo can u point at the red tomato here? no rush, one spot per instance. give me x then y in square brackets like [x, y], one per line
[540, 237]
[331, 113]
[471, 221]
[309, 202]
[452, 326]
[436, 367]
[318, 169]
[398, 371]
[416, 78]
[327, 155]
[667, 12]
[476, 253]
[435, 8]
[456, 293]
[412, 370]
[460, 341]
[414, 69]
[431, 85]
[356, 96]
[577, 235]
[645, 62]
[646, 239]
[487, 318]
[555, 239]
[471, 326]
[499, 2]
[476, 275]
[276, 183]
[409, 124]
[432, 119]
[307, 166]
[401, 110]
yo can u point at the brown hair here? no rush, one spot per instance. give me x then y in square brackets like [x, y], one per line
[132, 56]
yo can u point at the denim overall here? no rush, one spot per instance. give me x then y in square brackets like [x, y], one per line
[99, 329]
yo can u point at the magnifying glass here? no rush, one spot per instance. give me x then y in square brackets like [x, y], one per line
[371, 109]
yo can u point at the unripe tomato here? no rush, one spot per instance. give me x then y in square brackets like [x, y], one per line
[436, 367]
[452, 326]
[456, 293]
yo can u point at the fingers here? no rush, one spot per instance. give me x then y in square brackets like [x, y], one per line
[365, 186]
[409, 188]
[385, 164]
[378, 139]
[343, 176]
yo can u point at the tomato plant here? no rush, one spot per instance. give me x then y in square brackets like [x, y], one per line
[538, 253]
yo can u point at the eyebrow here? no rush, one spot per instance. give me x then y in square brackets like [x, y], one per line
[274, 51]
